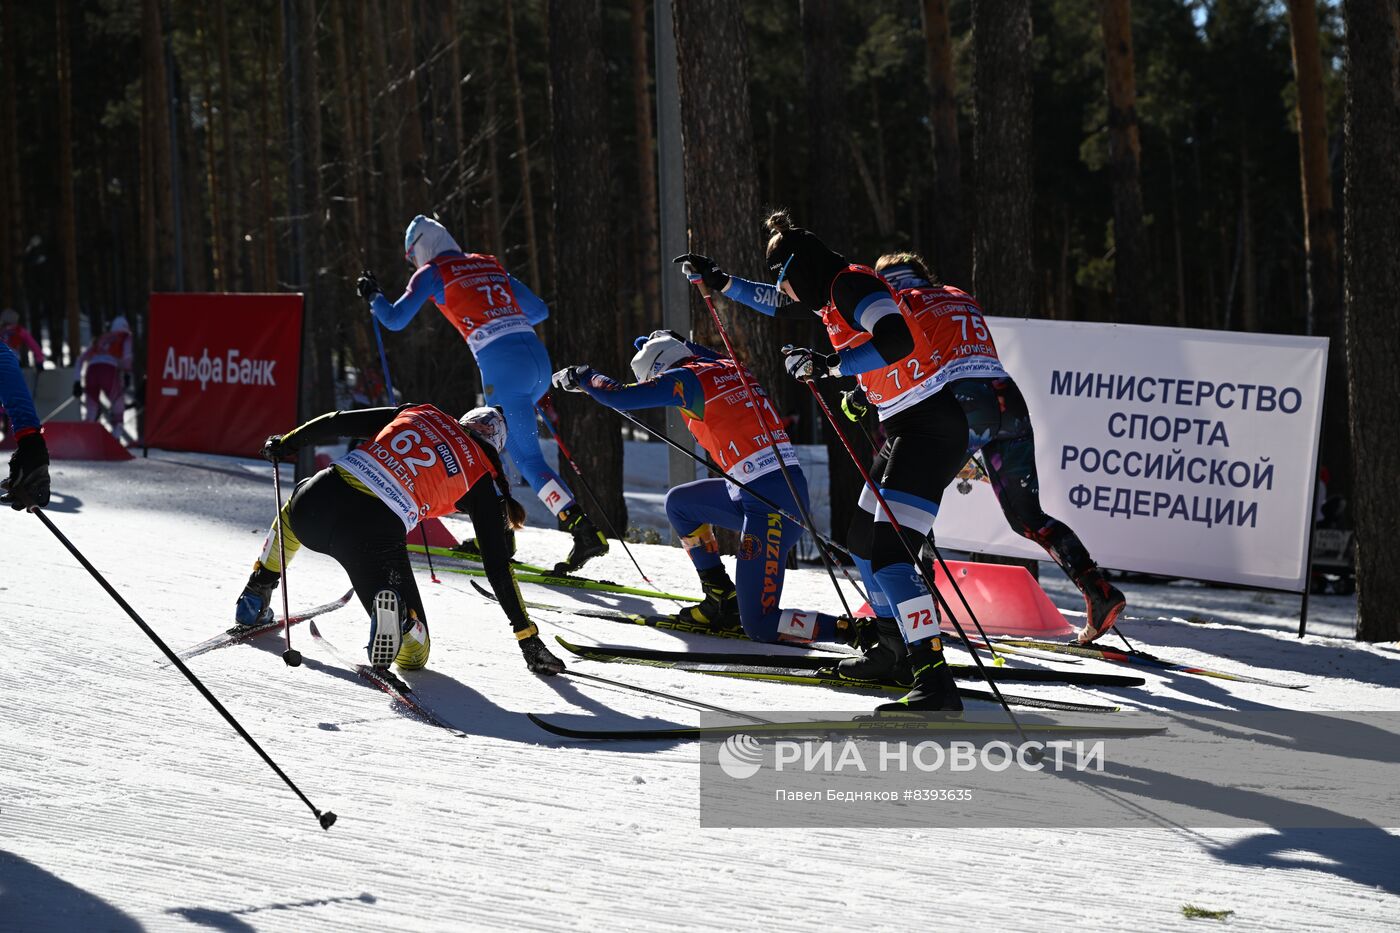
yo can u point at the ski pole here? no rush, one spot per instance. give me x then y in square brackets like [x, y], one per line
[914, 558]
[326, 818]
[938, 555]
[62, 405]
[772, 443]
[711, 465]
[383, 360]
[290, 655]
[598, 506]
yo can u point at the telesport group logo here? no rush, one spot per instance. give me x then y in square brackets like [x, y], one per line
[740, 756]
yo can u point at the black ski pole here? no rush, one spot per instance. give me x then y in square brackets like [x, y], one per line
[754, 400]
[325, 817]
[821, 539]
[290, 655]
[602, 513]
[938, 555]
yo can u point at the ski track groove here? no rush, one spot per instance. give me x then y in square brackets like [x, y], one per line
[120, 780]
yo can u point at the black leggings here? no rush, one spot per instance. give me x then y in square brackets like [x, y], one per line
[360, 532]
[927, 445]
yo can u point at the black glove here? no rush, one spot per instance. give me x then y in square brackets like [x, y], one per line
[275, 449]
[28, 483]
[568, 378]
[802, 363]
[854, 404]
[703, 268]
[368, 286]
[78, 389]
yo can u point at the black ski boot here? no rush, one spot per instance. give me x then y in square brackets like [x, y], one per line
[933, 689]
[1102, 602]
[588, 541]
[884, 658]
[538, 658]
[719, 611]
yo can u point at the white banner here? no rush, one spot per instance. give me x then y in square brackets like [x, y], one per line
[1187, 453]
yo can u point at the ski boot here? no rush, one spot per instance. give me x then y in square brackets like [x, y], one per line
[884, 657]
[933, 688]
[255, 604]
[538, 658]
[719, 611]
[1102, 603]
[588, 541]
[396, 634]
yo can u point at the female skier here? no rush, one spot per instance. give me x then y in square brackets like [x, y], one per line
[421, 463]
[495, 314]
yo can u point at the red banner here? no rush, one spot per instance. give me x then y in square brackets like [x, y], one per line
[221, 371]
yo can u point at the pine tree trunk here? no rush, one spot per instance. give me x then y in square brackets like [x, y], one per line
[953, 258]
[1003, 275]
[648, 212]
[1130, 298]
[156, 107]
[267, 239]
[491, 129]
[10, 226]
[217, 239]
[384, 119]
[234, 211]
[721, 185]
[829, 174]
[522, 151]
[67, 210]
[584, 219]
[458, 158]
[1372, 288]
[321, 328]
[1325, 314]
[411, 135]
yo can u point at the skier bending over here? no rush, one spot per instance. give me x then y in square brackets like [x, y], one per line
[496, 314]
[903, 360]
[28, 482]
[706, 387]
[421, 463]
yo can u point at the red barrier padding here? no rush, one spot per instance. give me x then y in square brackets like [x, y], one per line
[438, 535]
[78, 440]
[1005, 598]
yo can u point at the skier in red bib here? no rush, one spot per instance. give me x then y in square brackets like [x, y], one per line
[707, 388]
[105, 366]
[903, 361]
[495, 314]
[419, 463]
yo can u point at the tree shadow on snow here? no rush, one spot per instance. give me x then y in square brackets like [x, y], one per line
[33, 899]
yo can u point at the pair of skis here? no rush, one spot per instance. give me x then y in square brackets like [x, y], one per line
[385, 680]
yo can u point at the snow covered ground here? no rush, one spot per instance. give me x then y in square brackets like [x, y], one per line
[126, 803]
